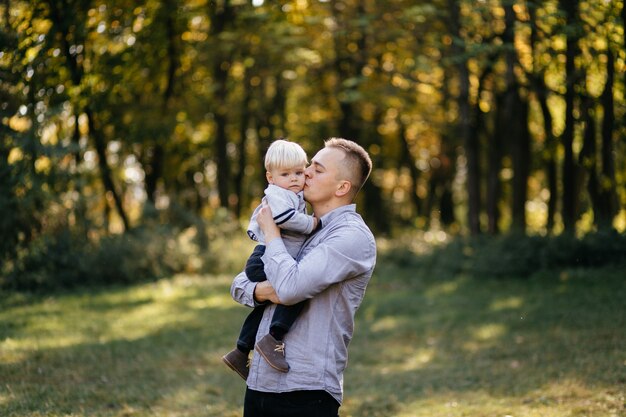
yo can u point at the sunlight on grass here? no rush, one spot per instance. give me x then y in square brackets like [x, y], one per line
[489, 331]
[484, 336]
[509, 303]
[384, 324]
[443, 288]
[142, 321]
[9, 351]
[216, 301]
[565, 398]
[418, 359]
[137, 313]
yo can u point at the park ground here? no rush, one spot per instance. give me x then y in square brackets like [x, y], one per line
[424, 345]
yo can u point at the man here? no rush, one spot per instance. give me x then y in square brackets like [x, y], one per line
[331, 271]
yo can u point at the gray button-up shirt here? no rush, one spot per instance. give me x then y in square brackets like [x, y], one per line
[332, 271]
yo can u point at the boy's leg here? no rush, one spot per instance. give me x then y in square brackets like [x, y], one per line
[247, 335]
[237, 359]
[271, 346]
[283, 319]
[255, 269]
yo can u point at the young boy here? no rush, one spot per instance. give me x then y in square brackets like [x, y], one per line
[285, 163]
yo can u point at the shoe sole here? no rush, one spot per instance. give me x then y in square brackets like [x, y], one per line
[234, 368]
[283, 370]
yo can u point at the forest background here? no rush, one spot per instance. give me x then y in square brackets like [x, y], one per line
[132, 133]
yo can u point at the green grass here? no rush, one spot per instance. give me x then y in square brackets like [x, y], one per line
[551, 346]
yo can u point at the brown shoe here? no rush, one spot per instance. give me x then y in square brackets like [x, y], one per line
[238, 362]
[273, 352]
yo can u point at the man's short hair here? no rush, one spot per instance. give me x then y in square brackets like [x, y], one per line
[284, 154]
[359, 163]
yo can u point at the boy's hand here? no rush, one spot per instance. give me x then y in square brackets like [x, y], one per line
[267, 224]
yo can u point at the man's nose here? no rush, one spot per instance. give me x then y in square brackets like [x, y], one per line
[307, 172]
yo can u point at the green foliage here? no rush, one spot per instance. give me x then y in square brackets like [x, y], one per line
[66, 260]
[516, 255]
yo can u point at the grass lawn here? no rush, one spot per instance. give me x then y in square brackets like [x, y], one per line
[423, 346]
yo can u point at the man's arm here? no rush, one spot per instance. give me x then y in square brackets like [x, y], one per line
[264, 292]
[252, 294]
[344, 254]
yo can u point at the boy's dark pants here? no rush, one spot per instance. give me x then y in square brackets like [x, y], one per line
[284, 316]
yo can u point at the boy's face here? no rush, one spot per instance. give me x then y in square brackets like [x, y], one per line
[288, 178]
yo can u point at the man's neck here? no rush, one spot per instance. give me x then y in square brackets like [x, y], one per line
[321, 209]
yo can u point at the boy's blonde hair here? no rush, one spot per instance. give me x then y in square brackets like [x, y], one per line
[284, 154]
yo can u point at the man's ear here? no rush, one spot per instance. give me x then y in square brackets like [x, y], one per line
[269, 177]
[343, 188]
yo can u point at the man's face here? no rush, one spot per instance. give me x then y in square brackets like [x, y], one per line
[288, 178]
[323, 176]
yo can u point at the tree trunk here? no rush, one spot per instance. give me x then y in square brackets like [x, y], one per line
[520, 155]
[243, 133]
[550, 157]
[154, 170]
[76, 74]
[221, 17]
[624, 31]
[464, 127]
[409, 161]
[608, 199]
[516, 113]
[588, 155]
[568, 209]
[448, 156]
[105, 171]
[550, 143]
[494, 157]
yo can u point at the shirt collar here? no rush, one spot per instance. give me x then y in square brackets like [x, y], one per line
[327, 218]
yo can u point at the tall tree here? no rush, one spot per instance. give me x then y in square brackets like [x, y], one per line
[222, 15]
[537, 84]
[464, 127]
[571, 32]
[350, 41]
[156, 152]
[516, 110]
[606, 207]
[68, 27]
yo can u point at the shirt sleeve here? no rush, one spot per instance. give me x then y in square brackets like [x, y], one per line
[344, 254]
[242, 290]
[286, 210]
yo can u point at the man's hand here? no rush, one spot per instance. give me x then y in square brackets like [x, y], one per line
[267, 224]
[263, 291]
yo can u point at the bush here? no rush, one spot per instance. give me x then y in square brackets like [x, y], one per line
[515, 255]
[61, 254]
[66, 260]
[139, 255]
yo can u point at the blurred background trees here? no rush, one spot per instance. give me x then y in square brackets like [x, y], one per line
[482, 117]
